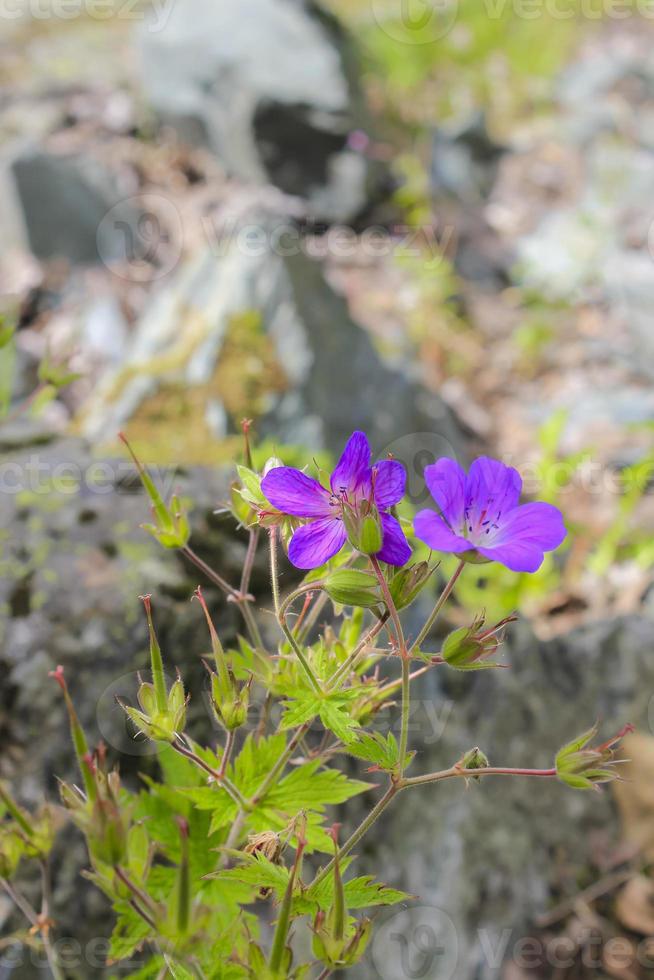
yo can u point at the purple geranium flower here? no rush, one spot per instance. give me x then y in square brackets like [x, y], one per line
[353, 481]
[480, 512]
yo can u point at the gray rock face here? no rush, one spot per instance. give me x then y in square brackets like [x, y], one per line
[268, 85]
[74, 562]
[486, 860]
[334, 380]
[65, 202]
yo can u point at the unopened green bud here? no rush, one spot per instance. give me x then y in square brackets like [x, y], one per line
[77, 733]
[171, 528]
[230, 705]
[350, 587]
[407, 584]
[473, 759]
[363, 526]
[469, 647]
[582, 766]
[357, 945]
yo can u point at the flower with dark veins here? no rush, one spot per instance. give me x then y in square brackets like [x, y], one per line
[481, 518]
[357, 491]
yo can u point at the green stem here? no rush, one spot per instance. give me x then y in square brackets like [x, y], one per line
[390, 605]
[400, 785]
[250, 555]
[458, 772]
[406, 708]
[306, 666]
[301, 590]
[210, 573]
[240, 598]
[406, 665]
[274, 574]
[284, 920]
[426, 629]
[223, 781]
[360, 832]
[348, 664]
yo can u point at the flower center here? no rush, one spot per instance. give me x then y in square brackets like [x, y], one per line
[480, 523]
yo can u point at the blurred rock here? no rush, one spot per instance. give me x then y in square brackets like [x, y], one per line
[64, 200]
[465, 160]
[487, 859]
[271, 86]
[307, 371]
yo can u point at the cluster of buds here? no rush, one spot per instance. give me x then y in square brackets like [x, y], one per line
[338, 940]
[230, 699]
[470, 647]
[170, 525]
[163, 712]
[582, 766]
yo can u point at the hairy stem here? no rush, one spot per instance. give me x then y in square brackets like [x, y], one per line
[274, 573]
[406, 664]
[306, 666]
[217, 579]
[222, 780]
[350, 663]
[361, 831]
[250, 555]
[240, 598]
[400, 785]
[458, 771]
[444, 596]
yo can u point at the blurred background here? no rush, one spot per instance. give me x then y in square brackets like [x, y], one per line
[430, 219]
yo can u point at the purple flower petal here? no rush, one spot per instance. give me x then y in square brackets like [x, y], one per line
[315, 543]
[432, 529]
[538, 524]
[447, 484]
[354, 460]
[518, 556]
[389, 481]
[395, 547]
[524, 535]
[295, 493]
[492, 490]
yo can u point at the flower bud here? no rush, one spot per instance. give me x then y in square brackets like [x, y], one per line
[230, 704]
[163, 713]
[350, 587]
[330, 938]
[105, 819]
[407, 584]
[363, 526]
[581, 766]
[230, 701]
[469, 647]
[473, 759]
[171, 528]
[77, 733]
